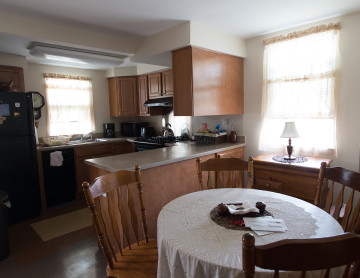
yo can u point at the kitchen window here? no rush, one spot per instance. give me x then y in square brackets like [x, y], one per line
[69, 104]
[299, 85]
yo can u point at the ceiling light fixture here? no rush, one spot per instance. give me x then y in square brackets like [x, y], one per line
[75, 55]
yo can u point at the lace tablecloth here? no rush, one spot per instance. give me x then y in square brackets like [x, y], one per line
[192, 245]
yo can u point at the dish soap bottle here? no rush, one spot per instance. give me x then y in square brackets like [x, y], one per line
[233, 136]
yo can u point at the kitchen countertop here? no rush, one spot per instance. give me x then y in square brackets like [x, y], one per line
[153, 158]
[43, 147]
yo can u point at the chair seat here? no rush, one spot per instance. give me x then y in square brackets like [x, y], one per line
[140, 261]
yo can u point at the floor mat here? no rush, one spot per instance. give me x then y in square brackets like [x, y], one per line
[64, 224]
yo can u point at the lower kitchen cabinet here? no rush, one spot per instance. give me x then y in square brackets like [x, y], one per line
[123, 147]
[87, 152]
[295, 179]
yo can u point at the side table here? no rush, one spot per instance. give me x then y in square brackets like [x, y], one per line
[295, 179]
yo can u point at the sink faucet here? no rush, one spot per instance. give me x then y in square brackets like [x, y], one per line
[90, 135]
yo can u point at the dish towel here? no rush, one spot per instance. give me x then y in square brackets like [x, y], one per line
[56, 159]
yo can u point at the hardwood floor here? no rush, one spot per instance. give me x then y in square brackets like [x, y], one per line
[73, 255]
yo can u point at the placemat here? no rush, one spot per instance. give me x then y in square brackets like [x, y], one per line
[226, 221]
[298, 159]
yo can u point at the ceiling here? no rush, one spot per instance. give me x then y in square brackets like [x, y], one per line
[142, 18]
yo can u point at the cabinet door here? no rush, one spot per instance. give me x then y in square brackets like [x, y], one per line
[14, 74]
[167, 83]
[154, 85]
[123, 96]
[128, 97]
[82, 169]
[143, 95]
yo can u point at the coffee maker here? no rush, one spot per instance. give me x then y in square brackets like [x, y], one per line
[109, 130]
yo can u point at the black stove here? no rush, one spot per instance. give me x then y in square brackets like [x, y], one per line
[149, 143]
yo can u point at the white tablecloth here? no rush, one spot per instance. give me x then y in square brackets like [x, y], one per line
[190, 244]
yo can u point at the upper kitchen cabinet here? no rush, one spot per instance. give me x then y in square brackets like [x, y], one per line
[123, 96]
[161, 84]
[14, 74]
[143, 95]
[167, 83]
[207, 82]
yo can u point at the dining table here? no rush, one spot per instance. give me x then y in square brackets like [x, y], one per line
[192, 243]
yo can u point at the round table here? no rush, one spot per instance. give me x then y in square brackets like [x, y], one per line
[190, 244]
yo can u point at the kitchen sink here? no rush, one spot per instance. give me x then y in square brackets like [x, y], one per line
[96, 140]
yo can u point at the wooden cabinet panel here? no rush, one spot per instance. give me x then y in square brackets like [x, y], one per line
[161, 84]
[207, 83]
[123, 96]
[14, 74]
[123, 147]
[154, 80]
[295, 179]
[268, 185]
[88, 152]
[143, 95]
[167, 83]
[237, 153]
[94, 150]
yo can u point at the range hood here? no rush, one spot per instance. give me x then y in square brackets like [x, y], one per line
[159, 102]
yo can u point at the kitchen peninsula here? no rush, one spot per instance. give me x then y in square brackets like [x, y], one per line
[167, 173]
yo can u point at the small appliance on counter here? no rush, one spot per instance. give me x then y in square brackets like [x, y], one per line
[109, 130]
[132, 129]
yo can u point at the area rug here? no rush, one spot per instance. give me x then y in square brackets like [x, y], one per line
[64, 224]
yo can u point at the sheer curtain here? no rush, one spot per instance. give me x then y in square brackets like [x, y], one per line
[299, 85]
[69, 104]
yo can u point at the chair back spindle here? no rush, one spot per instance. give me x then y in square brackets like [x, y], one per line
[112, 200]
[345, 181]
[224, 173]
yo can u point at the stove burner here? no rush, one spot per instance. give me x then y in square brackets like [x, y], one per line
[160, 139]
[149, 143]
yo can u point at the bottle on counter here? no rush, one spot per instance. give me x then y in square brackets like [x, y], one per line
[233, 136]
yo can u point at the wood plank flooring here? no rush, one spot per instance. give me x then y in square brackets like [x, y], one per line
[70, 256]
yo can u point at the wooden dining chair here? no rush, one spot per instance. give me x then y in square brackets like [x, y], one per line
[224, 172]
[111, 199]
[348, 182]
[303, 255]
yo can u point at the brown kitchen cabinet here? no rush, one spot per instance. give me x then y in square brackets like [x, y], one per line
[14, 74]
[143, 95]
[86, 152]
[123, 96]
[207, 82]
[295, 179]
[123, 147]
[161, 84]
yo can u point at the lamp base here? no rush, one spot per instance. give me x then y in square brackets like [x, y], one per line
[286, 157]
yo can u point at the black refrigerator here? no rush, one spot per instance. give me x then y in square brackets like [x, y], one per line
[18, 161]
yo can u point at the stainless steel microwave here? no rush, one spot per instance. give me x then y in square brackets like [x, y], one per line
[132, 129]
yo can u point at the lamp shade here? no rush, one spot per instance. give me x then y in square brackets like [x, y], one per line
[290, 131]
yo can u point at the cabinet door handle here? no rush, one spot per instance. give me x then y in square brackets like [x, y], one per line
[267, 185]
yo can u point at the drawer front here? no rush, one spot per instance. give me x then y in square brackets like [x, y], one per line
[296, 183]
[268, 185]
[94, 150]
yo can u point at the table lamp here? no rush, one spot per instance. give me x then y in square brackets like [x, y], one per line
[289, 132]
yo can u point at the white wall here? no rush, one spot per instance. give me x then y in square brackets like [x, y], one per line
[348, 131]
